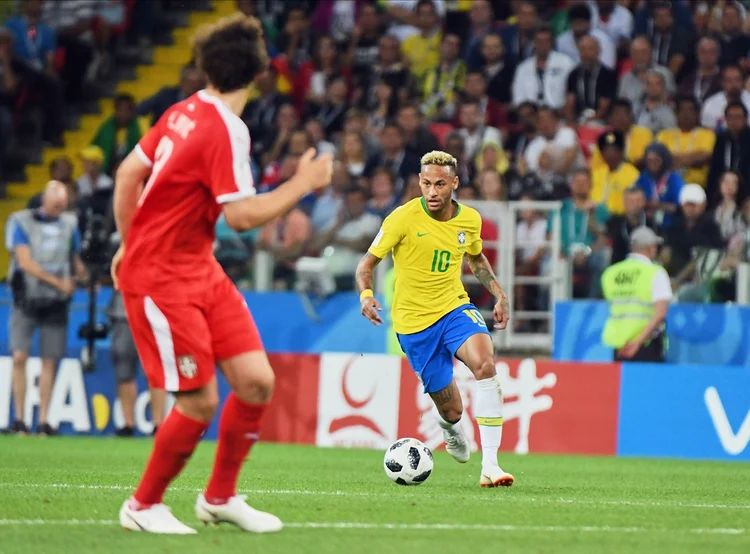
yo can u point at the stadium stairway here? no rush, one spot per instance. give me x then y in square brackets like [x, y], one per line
[167, 61]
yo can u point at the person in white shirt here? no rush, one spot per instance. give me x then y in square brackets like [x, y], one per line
[580, 26]
[93, 179]
[612, 18]
[473, 131]
[543, 78]
[732, 80]
[531, 237]
[555, 151]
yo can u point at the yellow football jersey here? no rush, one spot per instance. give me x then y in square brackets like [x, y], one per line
[427, 258]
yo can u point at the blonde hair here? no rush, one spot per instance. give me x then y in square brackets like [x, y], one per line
[438, 157]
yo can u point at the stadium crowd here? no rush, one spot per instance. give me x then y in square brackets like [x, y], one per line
[630, 112]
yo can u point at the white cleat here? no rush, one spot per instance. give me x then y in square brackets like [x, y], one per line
[238, 512]
[495, 477]
[156, 519]
[457, 446]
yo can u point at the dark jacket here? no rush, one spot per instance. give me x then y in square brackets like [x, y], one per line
[736, 151]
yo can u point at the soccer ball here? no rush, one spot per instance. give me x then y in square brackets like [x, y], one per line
[408, 462]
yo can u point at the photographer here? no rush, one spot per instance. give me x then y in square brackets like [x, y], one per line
[44, 244]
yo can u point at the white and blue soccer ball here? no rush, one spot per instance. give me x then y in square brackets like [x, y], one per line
[408, 462]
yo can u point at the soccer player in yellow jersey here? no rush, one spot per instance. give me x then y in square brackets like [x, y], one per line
[433, 318]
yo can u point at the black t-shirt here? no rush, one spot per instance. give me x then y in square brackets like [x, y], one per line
[590, 86]
[619, 229]
[365, 57]
[733, 49]
[20, 70]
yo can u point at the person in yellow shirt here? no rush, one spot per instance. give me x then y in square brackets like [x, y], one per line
[637, 138]
[432, 315]
[610, 181]
[691, 146]
[422, 51]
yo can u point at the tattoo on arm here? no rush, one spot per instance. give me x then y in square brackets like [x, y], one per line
[482, 270]
[365, 269]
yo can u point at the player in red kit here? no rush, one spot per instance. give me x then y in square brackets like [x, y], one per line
[186, 315]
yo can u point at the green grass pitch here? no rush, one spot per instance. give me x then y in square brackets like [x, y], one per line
[62, 495]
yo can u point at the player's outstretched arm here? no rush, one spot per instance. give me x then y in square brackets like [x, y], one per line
[312, 173]
[482, 270]
[365, 279]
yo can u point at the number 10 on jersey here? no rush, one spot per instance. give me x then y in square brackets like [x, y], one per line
[441, 261]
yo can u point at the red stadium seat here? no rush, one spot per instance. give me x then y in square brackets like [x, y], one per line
[441, 131]
[587, 138]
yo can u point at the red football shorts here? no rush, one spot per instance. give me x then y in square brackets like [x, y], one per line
[180, 342]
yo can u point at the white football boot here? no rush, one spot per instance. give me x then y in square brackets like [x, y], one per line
[156, 519]
[456, 444]
[495, 477]
[238, 512]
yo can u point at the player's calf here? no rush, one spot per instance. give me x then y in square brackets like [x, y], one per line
[449, 410]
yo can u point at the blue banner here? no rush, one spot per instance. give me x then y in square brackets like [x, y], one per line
[684, 412]
[698, 333]
[333, 324]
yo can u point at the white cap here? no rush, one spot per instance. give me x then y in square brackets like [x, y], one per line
[644, 236]
[692, 194]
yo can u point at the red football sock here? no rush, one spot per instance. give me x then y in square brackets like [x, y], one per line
[173, 445]
[238, 431]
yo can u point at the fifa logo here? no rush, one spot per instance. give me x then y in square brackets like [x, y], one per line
[522, 401]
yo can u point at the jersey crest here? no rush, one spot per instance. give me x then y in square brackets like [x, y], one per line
[462, 237]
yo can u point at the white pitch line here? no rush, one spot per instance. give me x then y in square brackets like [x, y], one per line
[506, 498]
[353, 525]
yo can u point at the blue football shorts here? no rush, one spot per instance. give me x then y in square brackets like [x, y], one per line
[431, 352]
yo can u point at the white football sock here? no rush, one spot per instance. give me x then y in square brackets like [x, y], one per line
[488, 408]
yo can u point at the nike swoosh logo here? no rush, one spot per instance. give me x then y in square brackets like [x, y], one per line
[422, 234]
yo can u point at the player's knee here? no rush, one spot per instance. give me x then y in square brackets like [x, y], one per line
[201, 405]
[19, 359]
[485, 369]
[451, 414]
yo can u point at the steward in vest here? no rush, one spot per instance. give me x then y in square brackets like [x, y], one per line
[44, 244]
[638, 292]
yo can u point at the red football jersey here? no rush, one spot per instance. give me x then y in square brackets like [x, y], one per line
[200, 155]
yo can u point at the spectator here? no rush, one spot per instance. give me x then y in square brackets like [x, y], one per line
[490, 185]
[591, 85]
[466, 194]
[328, 206]
[312, 77]
[705, 81]
[519, 36]
[614, 19]
[318, 136]
[671, 44]
[491, 111]
[732, 81]
[356, 122]
[656, 115]
[72, 21]
[543, 77]
[583, 233]
[61, 170]
[442, 81]
[350, 235]
[336, 18]
[660, 184]
[727, 214]
[422, 50]
[363, 48]
[332, 111]
[395, 157]
[480, 27]
[390, 69]
[259, 114]
[580, 26]
[418, 138]
[531, 235]
[191, 81]
[10, 69]
[383, 199]
[735, 44]
[93, 179]
[285, 238]
[352, 155]
[637, 138]
[473, 130]
[693, 242]
[644, 17]
[455, 145]
[555, 151]
[34, 41]
[119, 134]
[386, 102]
[287, 121]
[405, 18]
[690, 145]
[519, 181]
[297, 40]
[491, 155]
[519, 140]
[497, 71]
[620, 227]
[633, 83]
[611, 180]
[731, 152]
